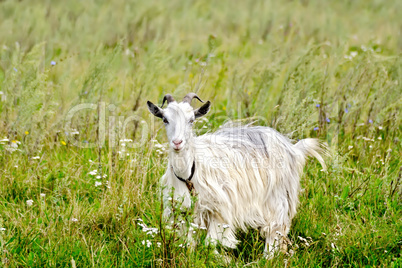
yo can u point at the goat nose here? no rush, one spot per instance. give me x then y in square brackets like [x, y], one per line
[177, 142]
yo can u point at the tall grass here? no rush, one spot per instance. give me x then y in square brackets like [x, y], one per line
[327, 69]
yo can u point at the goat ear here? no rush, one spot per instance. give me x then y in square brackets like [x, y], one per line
[155, 110]
[203, 110]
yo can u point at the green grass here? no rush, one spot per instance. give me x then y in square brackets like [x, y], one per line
[269, 61]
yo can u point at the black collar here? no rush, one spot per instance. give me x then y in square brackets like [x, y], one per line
[191, 175]
[188, 182]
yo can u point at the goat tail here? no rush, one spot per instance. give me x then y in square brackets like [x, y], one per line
[314, 148]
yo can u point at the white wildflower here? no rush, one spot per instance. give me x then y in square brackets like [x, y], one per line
[158, 145]
[30, 202]
[98, 183]
[2, 229]
[302, 239]
[350, 147]
[74, 219]
[225, 226]
[126, 140]
[149, 231]
[367, 139]
[13, 146]
[42, 195]
[149, 243]
[36, 157]
[93, 172]
[159, 244]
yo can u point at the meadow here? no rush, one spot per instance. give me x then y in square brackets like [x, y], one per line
[81, 157]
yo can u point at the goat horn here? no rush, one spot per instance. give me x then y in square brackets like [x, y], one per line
[190, 96]
[169, 98]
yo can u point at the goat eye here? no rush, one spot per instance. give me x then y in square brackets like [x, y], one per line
[165, 121]
[191, 121]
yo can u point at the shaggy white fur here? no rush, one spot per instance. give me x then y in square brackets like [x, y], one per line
[245, 176]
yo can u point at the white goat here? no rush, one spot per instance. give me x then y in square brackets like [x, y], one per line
[243, 176]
